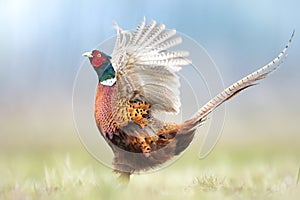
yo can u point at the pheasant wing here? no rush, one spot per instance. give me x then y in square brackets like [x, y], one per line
[146, 68]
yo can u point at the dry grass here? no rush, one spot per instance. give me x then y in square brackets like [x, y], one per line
[230, 172]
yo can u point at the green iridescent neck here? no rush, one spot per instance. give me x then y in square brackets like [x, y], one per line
[108, 76]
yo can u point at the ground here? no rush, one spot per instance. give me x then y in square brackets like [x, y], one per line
[232, 171]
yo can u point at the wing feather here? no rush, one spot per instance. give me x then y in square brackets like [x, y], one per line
[168, 43]
[152, 35]
[147, 30]
[138, 32]
[146, 69]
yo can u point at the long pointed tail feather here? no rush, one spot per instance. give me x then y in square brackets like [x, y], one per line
[238, 86]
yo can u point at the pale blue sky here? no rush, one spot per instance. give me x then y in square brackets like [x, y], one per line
[41, 42]
[44, 39]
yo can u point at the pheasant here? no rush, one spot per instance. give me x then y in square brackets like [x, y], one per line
[138, 80]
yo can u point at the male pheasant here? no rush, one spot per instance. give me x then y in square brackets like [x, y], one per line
[138, 81]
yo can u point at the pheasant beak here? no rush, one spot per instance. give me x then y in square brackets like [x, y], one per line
[88, 54]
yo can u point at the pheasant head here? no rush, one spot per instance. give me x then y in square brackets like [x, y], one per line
[102, 65]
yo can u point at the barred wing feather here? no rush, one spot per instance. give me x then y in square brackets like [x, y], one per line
[146, 68]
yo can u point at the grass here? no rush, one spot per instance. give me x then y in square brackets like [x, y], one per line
[298, 177]
[230, 172]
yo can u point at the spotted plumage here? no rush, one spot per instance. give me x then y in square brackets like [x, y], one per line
[137, 81]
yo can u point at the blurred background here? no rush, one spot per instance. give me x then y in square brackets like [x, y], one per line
[42, 42]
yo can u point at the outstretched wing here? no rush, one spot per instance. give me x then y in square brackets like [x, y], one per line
[146, 68]
[240, 85]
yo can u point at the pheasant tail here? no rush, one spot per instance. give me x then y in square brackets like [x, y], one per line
[188, 128]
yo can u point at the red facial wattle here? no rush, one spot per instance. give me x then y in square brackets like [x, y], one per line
[98, 59]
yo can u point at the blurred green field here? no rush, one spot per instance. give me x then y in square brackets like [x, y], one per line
[233, 170]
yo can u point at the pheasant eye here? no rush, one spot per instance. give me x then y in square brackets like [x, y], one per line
[99, 55]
